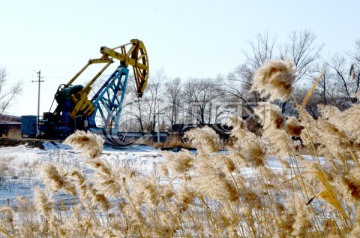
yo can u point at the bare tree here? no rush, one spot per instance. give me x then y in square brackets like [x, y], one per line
[133, 109]
[144, 109]
[340, 84]
[173, 93]
[300, 48]
[237, 87]
[200, 97]
[355, 66]
[302, 51]
[153, 99]
[347, 86]
[238, 84]
[325, 92]
[262, 49]
[7, 94]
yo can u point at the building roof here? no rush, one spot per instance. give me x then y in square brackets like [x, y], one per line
[9, 119]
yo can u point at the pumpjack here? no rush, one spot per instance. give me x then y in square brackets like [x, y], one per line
[100, 114]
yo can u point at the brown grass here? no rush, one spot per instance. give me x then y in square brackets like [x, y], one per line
[173, 141]
[212, 194]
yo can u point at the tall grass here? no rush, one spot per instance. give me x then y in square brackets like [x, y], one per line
[239, 193]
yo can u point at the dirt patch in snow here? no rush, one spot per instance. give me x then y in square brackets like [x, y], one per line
[32, 143]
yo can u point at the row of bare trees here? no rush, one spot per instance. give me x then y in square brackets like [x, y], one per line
[340, 84]
[208, 101]
[202, 101]
[170, 102]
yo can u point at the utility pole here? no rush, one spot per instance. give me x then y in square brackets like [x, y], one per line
[38, 109]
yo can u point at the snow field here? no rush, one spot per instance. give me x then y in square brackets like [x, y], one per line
[19, 166]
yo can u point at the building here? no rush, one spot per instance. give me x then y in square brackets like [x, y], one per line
[10, 126]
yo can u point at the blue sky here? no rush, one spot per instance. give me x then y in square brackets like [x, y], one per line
[186, 39]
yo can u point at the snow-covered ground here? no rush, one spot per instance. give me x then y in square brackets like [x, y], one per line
[19, 166]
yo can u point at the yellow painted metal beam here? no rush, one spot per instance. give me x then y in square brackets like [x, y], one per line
[136, 56]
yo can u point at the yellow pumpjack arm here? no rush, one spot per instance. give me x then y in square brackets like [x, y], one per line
[136, 56]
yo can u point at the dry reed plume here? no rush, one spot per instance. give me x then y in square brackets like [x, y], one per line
[261, 187]
[275, 79]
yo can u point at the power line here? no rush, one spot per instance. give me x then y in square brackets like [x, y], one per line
[38, 109]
